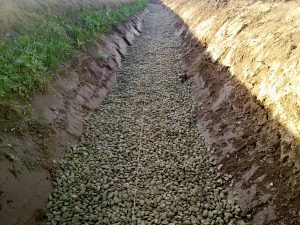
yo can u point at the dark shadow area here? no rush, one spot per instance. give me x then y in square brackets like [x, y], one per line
[244, 137]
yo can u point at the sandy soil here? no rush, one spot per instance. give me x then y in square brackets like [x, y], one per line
[258, 43]
[244, 136]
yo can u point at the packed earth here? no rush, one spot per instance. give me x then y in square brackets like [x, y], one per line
[141, 159]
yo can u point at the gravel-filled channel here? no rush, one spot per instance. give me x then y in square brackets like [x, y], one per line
[141, 160]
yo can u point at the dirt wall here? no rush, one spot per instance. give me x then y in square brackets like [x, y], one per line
[27, 158]
[243, 109]
[259, 44]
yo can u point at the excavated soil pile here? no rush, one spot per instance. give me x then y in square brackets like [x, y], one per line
[243, 60]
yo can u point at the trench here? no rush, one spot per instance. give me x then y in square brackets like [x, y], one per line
[141, 159]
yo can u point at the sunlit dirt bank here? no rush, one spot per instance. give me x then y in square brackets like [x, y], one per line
[243, 59]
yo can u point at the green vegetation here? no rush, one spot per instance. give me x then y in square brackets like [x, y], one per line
[29, 57]
[15, 13]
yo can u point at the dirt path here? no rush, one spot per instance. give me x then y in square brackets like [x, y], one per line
[141, 159]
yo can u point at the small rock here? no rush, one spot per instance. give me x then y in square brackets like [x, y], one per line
[186, 222]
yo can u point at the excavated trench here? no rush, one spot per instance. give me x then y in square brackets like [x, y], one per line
[141, 159]
[159, 151]
[156, 151]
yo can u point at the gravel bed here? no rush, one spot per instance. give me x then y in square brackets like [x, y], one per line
[141, 160]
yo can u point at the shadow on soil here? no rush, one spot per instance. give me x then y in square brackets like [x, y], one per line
[244, 137]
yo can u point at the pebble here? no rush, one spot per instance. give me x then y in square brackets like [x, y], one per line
[205, 213]
[186, 222]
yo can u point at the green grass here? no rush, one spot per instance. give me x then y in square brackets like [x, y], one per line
[30, 56]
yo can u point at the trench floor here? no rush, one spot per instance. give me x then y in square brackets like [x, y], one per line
[141, 159]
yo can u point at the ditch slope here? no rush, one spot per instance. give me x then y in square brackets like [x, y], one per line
[243, 60]
[30, 147]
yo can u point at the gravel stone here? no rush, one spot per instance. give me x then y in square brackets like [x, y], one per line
[141, 159]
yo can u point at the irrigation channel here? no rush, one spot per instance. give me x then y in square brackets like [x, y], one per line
[141, 159]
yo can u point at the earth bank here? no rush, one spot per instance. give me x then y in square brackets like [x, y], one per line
[29, 155]
[228, 52]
